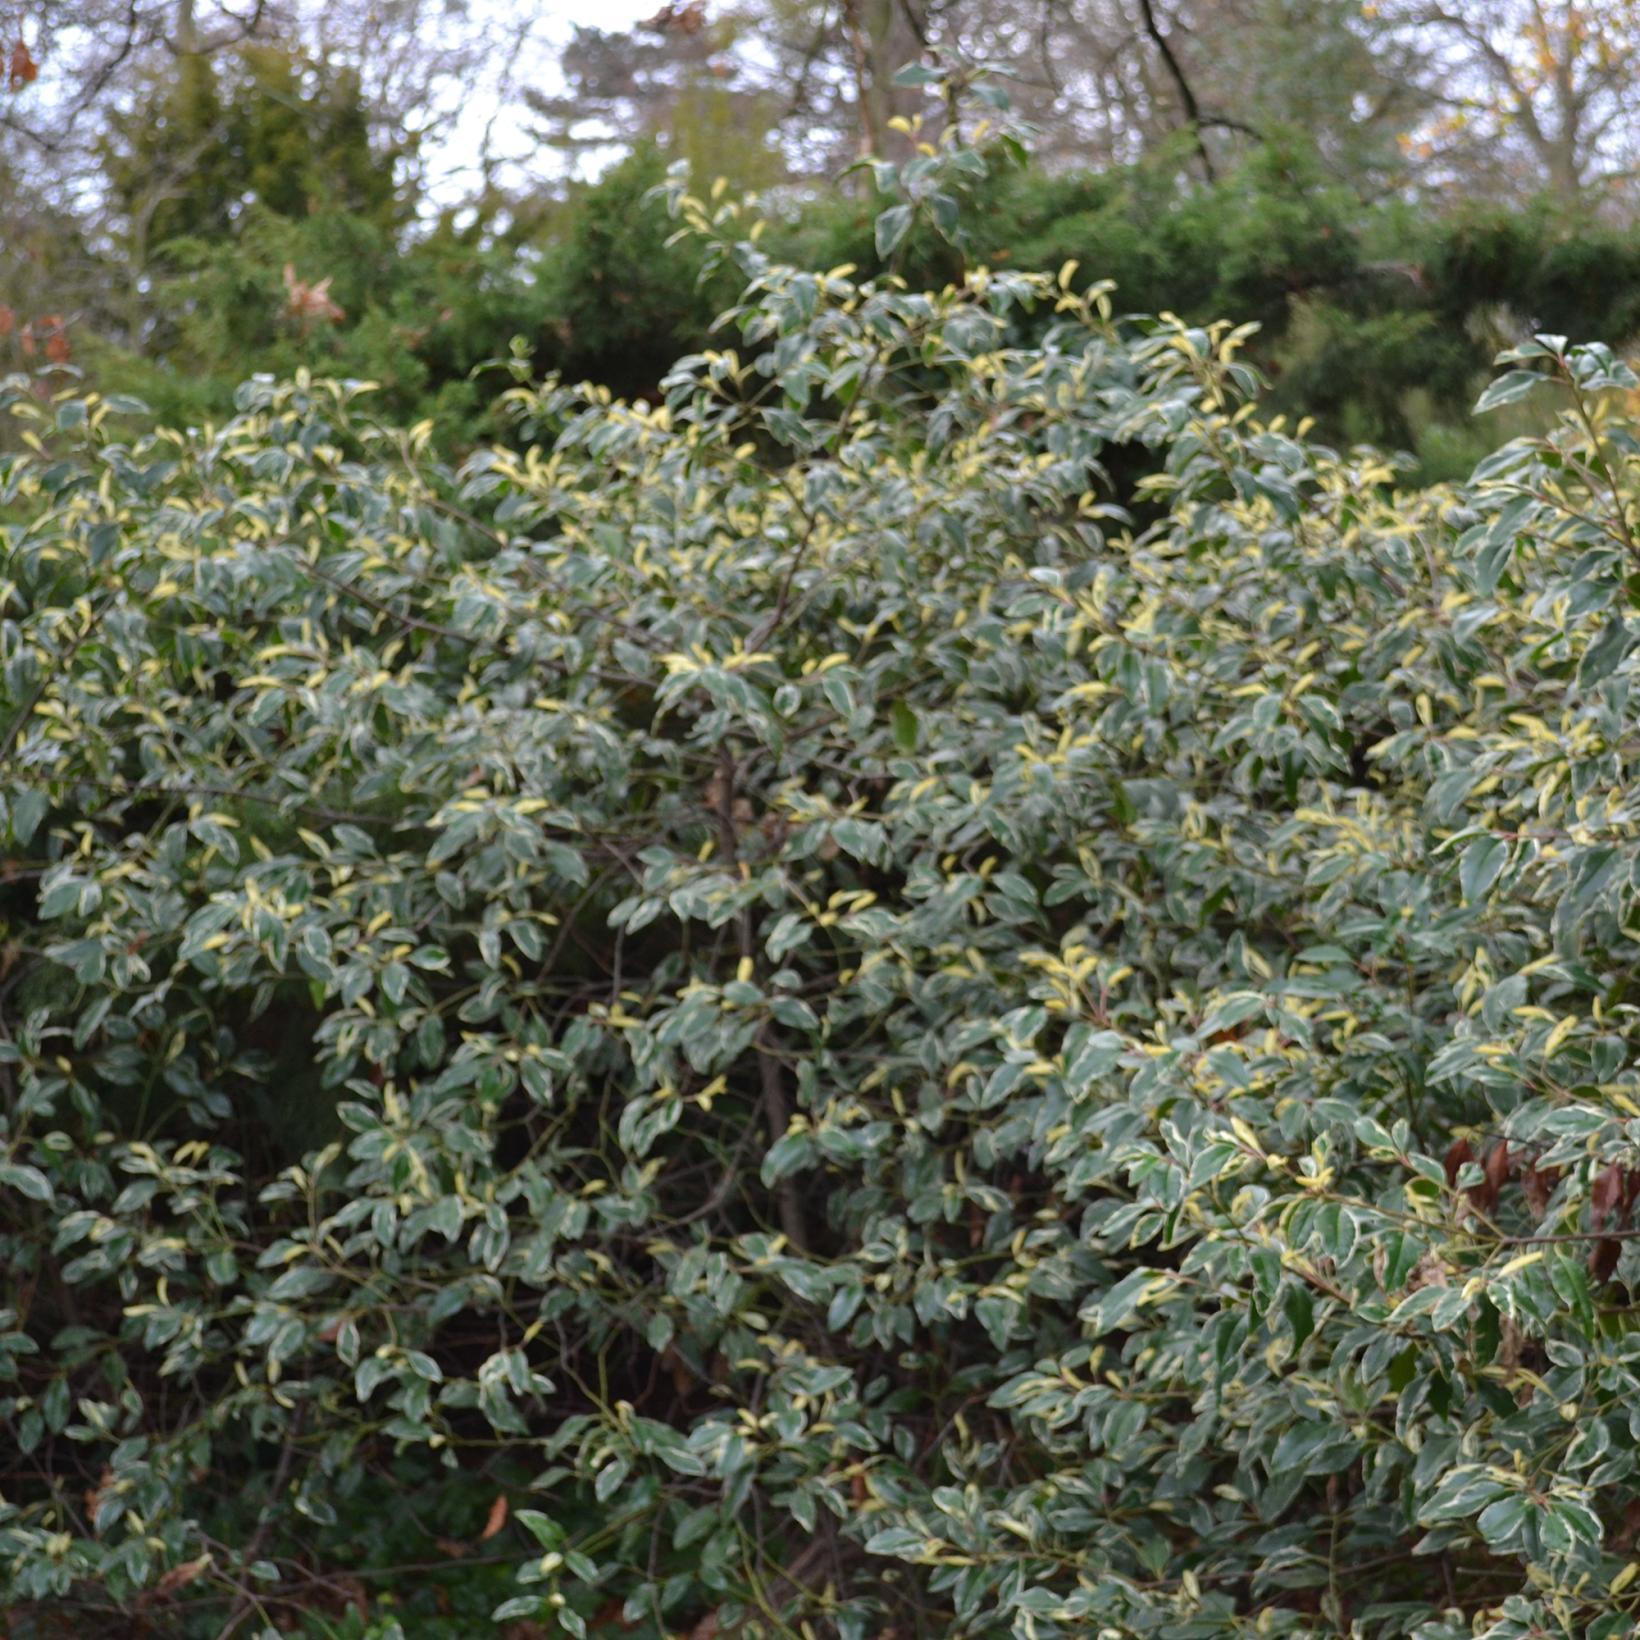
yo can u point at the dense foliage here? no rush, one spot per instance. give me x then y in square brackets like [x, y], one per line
[1378, 320]
[591, 284]
[1395, 191]
[864, 1040]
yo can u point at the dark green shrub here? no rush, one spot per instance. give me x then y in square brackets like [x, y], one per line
[1377, 321]
[622, 300]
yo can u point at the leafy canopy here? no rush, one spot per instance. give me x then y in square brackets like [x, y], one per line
[876, 1041]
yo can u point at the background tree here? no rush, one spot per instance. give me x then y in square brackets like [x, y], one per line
[160, 226]
[682, 81]
[1100, 81]
[259, 126]
[82, 53]
[1528, 94]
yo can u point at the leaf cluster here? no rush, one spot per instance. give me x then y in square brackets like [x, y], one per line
[876, 1034]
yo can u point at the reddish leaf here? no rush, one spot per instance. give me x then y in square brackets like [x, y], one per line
[1496, 1169]
[21, 68]
[354, 1595]
[687, 17]
[308, 302]
[179, 1577]
[1606, 1194]
[1603, 1258]
[94, 1495]
[1457, 1153]
[497, 1518]
[1539, 1184]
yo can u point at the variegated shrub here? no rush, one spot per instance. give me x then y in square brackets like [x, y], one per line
[883, 1045]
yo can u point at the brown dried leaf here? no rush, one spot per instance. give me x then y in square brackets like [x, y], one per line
[1457, 1153]
[308, 302]
[687, 17]
[21, 69]
[1606, 1194]
[683, 1380]
[1603, 1258]
[354, 1595]
[179, 1577]
[1539, 1184]
[497, 1518]
[94, 1497]
[1429, 1272]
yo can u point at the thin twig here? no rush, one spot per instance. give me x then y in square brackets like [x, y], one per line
[253, 1549]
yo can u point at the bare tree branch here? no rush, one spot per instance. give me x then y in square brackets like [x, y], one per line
[1192, 109]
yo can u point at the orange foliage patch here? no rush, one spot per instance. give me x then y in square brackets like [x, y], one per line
[309, 302]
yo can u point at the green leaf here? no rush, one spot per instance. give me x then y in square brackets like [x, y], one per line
[1605, 654]
[892, 227]
[28, 809]
[546, 1531]
[1480, 865]
[1509, 388]
[905, 727]
[26, 1181]
[1501, 1522]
